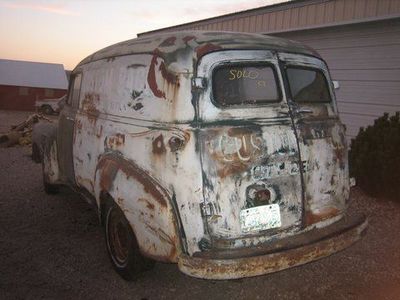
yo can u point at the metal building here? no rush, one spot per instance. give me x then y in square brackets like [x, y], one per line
[359, 39]
[24, 82]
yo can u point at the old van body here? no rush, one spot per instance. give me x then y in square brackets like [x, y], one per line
[222, 152]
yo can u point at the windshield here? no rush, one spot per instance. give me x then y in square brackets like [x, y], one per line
[307, 85]
[239, 84]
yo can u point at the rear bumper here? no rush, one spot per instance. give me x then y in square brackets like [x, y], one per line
[275, 256]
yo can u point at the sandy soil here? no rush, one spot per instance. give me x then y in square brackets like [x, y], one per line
[52, 247]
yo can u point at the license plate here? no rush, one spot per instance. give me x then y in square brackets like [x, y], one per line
[260, 218]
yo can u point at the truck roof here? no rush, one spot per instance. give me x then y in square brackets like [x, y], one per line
[199, 43]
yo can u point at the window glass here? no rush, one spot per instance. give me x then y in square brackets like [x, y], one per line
[245, 84]
[308, 85]
[73, 98]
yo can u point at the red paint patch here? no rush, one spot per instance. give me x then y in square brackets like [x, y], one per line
[188, 38]
[158, 145]
[171, 78]
[207, 48]
[168, 42]
[168, 76]
[151, 77]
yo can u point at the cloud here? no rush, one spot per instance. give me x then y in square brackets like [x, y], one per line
[53, 9]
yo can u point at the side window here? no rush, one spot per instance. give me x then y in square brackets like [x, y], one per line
[308, 85]
[74, 91]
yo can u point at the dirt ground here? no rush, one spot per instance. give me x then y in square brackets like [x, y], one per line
[52, 247]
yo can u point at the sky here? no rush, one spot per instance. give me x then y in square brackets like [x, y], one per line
[66, 31]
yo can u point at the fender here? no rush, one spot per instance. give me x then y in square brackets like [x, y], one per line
[147, 205]
[50, 157]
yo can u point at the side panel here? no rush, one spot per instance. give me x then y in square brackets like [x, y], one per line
[146, 205]
[65, 133]
[120, 113]
[66, 128]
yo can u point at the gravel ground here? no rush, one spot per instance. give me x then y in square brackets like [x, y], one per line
[52, 247]
[8, 118]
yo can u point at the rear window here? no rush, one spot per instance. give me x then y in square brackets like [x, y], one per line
[245, 84]
[307, 85]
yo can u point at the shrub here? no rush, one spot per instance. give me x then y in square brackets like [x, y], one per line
[374, 157]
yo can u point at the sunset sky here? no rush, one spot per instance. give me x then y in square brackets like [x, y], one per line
[62, 31]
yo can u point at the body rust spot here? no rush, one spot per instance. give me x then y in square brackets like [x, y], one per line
[158, 145]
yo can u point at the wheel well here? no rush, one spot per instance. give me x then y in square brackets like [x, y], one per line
[105, 198]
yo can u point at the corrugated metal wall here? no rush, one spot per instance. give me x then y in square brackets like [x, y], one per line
[295, 15]
[366, 61]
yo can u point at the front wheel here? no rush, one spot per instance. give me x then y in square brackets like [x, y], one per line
[46, 109]
[49, 188]
[122, 245]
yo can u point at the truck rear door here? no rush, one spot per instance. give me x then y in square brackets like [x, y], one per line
[249, 153]
[321, 137]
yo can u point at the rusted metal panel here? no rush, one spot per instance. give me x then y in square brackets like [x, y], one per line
[283, 257]
[145, 203]
[183, 42]
[193, 177]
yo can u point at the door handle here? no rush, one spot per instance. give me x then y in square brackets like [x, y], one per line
[298, 110]
[70, 119]
[303, 111]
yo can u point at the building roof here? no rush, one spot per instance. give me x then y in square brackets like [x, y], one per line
[32, 74]
[295, 15]
[197, 44]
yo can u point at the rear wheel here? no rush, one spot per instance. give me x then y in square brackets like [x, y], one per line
[122, 245]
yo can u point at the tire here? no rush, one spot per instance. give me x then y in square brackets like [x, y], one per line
[122, 245]
[36, 153]
[46, 109]
[49, 188]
